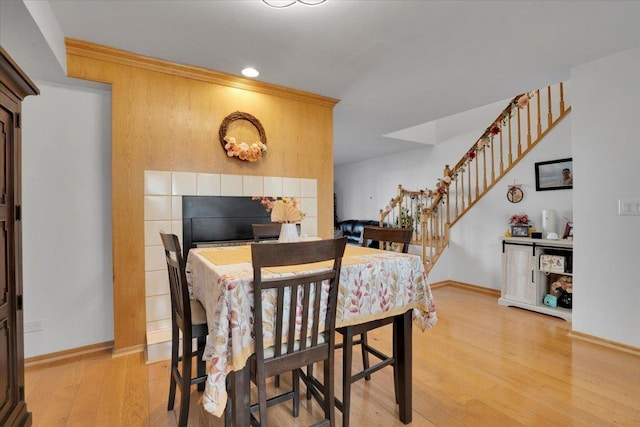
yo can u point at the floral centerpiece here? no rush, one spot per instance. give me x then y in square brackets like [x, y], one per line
[519, 225]
[286, 211]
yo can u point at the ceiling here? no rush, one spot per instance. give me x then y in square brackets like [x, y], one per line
[392, 64]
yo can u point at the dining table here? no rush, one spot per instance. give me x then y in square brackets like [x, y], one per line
[374, 284]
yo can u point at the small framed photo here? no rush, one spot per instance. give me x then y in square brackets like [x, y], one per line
[519, 231]
[568, 231]
[554, 175]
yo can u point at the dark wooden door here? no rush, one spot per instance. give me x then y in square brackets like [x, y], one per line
[14, 86]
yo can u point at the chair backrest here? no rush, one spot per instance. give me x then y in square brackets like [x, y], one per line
[180, 305]
[266, 231]
[310, 291]
[386, 235]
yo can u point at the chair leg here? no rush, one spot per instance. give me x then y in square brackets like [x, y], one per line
[185, 387]
[309, 375]
[295, 380]
[262, 400]
[228, 410]
[396, 378]
[201, 364]
[174, 367]
[329, 392]
[347, 358]
[365, 354]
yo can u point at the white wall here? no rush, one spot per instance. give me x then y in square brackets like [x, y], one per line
[601, 134]
[474, 253]
[606, 145]
[66, 189]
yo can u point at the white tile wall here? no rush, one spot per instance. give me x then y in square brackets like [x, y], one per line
[291, 187]
[253, 185]
[230, 185]
[157, 208]
[272, 186]
[309, 205]
[208, 184]
[308, 188]
[156, 282]
[163, 191]
[183, 183]
[157, 183]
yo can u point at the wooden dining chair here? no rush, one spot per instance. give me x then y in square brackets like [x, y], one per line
[287, 305]
[392, 239]
[268, 231]
[187, 316]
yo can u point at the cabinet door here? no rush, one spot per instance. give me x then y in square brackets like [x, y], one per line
[14, 86]
[518, 267]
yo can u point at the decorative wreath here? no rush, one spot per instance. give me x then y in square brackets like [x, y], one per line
[243, 151]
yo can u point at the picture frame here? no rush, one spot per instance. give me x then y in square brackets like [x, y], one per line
[554, 175]
[568, 231]
[519, 231]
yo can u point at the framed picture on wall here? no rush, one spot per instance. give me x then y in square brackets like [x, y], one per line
[554, 175]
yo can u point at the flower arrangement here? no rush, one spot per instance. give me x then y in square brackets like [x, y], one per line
[519, 219]
[244, 151]
[283, 210]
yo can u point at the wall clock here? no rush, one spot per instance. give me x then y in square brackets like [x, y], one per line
[515, 194]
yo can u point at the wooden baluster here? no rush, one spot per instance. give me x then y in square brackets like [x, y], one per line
[519, 135]
[477, 162]
[501, 151]
[493, 161]
[457, 196]
[561, 98]
[484, 168]
[510, 143]
[462, 189]
[550, 114]
[447, 173]
[414, 216]
[539, 114]
[528, 124]
[423, 238]
[469, 182]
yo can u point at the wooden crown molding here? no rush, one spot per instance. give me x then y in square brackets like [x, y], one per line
[108, 54]
[22, 85]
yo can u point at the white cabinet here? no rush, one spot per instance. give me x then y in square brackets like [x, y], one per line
[524, 284]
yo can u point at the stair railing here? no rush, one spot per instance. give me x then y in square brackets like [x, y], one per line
[526, 120]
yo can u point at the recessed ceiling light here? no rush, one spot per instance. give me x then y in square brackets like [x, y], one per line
[250, 72]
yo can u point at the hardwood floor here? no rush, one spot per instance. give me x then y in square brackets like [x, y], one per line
[482, 364]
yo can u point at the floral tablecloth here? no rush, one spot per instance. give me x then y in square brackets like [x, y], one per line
[374, 284]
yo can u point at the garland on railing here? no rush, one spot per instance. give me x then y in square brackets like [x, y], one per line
[442, 185]
[486, 139]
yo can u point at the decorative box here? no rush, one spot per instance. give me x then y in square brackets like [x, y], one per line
[550, 300]
[553, 263]
[519, 231]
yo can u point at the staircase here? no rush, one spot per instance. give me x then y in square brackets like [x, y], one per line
[523, 123]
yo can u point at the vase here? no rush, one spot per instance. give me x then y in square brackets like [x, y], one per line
[288, 233]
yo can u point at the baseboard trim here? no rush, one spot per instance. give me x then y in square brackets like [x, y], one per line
[605, 343]
[64, 355]
[129, 350]
[469, 286]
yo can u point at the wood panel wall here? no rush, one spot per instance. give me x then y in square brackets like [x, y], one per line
[166, 116]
